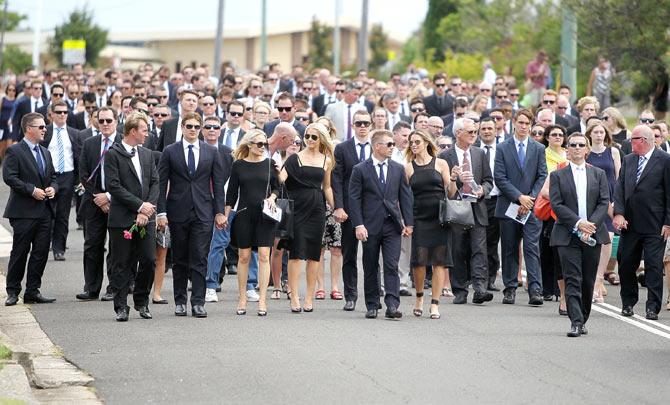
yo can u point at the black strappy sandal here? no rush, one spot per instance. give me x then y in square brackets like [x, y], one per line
[418, 312]
[435, 315]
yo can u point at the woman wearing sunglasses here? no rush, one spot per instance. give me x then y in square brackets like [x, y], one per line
[306, 176]
[253, 180]
[6, 104]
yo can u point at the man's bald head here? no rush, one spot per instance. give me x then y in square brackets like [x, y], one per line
[642, 140]
[283, 136]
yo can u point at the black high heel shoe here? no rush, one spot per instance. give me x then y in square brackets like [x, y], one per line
[294, 310]
[418, 312]
[435, 315]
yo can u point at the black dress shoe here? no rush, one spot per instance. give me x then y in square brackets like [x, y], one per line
[12, 299]
[583, 330]
[232, 270]
[86, 296]
[641, 279]
[122, 314]
[392, 313]
[627, 311]
[379, 305]
[371, 314]
[144, 312]
[480, 298]
[562, 312]
[575, 331]
[651, 315]
[37, 299]
[108, 296]
[199, 311]
[180, 310]
[160, 301]
[218, 289]
[405, 293]
[535, 299]
[59, 257]
[548, 297]
[492, 287]
[509, 296]
[349, 305]
[460, 299]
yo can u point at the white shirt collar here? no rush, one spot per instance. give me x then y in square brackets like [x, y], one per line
[357, 142]
[648, 154]
[128, 148]
[185, 144]
[376, 162]
[517, 141]
[578, 167]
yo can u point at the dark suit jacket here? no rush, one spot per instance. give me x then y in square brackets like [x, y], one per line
[122, 183]
[514, 180]
[226, 155]
[319, 104]
[77, 120]
[202, 192]
[626, 147]
[645, 204]
[346, 158]
[433, 108]
[75, 140]
[563, 197]
[370, 106]
[168, 133]
[368, 202]
[270, 127]
[482, 173]
[21, 174]
[23, 107]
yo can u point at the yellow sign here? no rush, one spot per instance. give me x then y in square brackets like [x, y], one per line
[74, 44]
[74, 51]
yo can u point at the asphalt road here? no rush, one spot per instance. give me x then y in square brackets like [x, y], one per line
[489, 354]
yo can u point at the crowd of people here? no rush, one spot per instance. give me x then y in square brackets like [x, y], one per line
[259, 174]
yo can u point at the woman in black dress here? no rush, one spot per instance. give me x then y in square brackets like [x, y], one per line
[430, 178]
[306, 176]
[253, 178]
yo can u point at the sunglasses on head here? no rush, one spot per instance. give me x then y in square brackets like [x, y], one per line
[284, 109]
[63, 112]
[362, 124]
[236, 114]
[192, 126]
[210, 126]
[313, 137]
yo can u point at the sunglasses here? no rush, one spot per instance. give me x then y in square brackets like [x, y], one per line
[297, 142]
[161, 115]
[388, 144]
[443, 145]
[40, 127]
[647, 120]
[302, 118]
[538, 133]
[249, 108]
[57, 95]
[192, 126]
[207, 104]
[485, 90]
[455, 84]
[562, 108]
[417, 110]
[440, 84]
[256, 87]
[260, 144]
[236, 114]
[549, 102]
[143, 111]
[416, 142]
[62, 112]
[363, 124]
[514, 94]
[152, 104]
[90, 108]
[498, 118]
[312, 137]
[339, 91]
[284, 109]
[556, 134]
[577, 145]
[217, 127]
[636, 138]
[105, 120]
[267, 95]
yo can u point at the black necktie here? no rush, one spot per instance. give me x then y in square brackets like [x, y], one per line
[487, 153]
[382, 181]
[38, 157]
[191, 160]
[132, 152]
[361, 155]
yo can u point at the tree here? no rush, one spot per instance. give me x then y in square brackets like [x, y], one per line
[378, 46]
[437, 9]
[15, 59]
[79, 26]
[320, 44]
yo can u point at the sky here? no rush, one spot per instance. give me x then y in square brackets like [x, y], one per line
[398, 17]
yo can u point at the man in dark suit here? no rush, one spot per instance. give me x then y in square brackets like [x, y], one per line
[348, 154]
[81, 121]
[328, 96]
[469, 164]
[642, 214]
[132, 180]
[286, 114]
[231, 132]
[94, 207]
[57, 94]
[196, 199]
[520, 171]
[549, 102]
[381, 212]
[440, 103]
[64, 144]
[391, 103]
[27, 105]
[579, 196]
[28, 171]
[171, 130]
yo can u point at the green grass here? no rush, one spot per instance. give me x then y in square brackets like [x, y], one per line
[9, 401]
[5, 353]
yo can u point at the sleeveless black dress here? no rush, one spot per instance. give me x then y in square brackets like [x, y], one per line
[431, 242]
[303, 185]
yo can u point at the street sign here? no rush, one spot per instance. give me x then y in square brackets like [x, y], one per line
[74, 51]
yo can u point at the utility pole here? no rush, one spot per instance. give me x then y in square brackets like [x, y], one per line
[363, 39]
[336, 39]
[264, 33]
[219, 40]
[2, 33]
[569, 51]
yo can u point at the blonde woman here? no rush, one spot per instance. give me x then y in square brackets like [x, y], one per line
[615, 124]
[306, 176]
[261, 114]
[479, 104]
[253, 180]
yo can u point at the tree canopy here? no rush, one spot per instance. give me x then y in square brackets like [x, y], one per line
[79, 25]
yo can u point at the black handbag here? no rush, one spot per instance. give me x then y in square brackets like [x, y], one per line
[284, 228]
[456, 212]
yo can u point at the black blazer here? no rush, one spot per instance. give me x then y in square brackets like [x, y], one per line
[645, 204]
[346, 158]
[168, 133]
[21, 174]
[75, 140]
[433, 108]
[202, 192]
[482, 173]
[563, 197]
[77, 120]
[23, 107]
[368, 202]
[270, 127]
[226, 155]
[626, 147]
[88, 160]
[122, 183]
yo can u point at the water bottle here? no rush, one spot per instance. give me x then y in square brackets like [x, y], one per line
[590, 241]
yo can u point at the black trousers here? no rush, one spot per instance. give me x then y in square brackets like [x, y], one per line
[190, 242]
[550, 261]
[30, 236]
[95, 238]
[134, 260]
[388, 243]
[349, 261]
[492, 239]
[63, 201]
[468, 252]
[580, 266]
[630, 252]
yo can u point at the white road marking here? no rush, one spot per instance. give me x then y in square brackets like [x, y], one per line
[5, 242]
[641, 325]
[641, 318]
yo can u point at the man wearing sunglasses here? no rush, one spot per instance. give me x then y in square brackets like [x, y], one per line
[286, 108]
[232, 133]
[549, 101]
[80, 121]
[188, 102]
[27, 105]
[342, 112]
[439, 103]
[57, 94]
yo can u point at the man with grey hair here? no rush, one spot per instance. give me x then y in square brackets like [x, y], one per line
[435, 126]
[342, 112]
[545, 117]
[562, 108]
[391, 103]
[642, 214]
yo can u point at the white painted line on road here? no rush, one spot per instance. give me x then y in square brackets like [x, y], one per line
[633, 322]
[5, 242]
[641, 318]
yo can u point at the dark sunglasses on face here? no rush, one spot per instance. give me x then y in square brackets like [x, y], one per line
[208, 127]
[556, 134]
[249, 108]
[161, 115]
[416, 142]
[284, 109]
[152, 104]
[90, 108]
[577, 145]
[297, 142]
[260, 144]
[363, 124]
[417, 110]
[192, 126]
[63, 112]
[59, 95]
[312, 137]
[143, 111]
[443, 145]
[105, 120]
[549, 102]
[388, 144]
[440, 84]
[562, 108]
[470, 132]
[339, 91]
[236, 114]
[538, 133]
[647, 120]
[255, 87]
[305, 119]
[207, 104]
[40, 127]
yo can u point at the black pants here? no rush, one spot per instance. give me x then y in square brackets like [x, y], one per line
[349, 261]
[630, 252]
[580, 266]
[550, 261]
[492, 239]
[95, 238]
[63, 200]
[388, 243]
[29, 236]
[468, 252]
[134, 259]
[190, 241]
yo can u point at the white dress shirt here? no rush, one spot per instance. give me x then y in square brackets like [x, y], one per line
[579, 175]
[460, 153]
[102, 165]
[359, 144]
[179, 135]
[492, 159]
[135, 159]
[34, 107]
[67, 150]
[393, 119]
[385, 167]
[235, 135]
[196, 151]
[646, 160]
